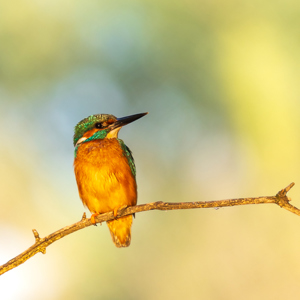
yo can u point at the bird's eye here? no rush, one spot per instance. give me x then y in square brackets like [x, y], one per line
[98, 125]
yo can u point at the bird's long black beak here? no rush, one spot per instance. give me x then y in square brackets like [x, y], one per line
[126, 120]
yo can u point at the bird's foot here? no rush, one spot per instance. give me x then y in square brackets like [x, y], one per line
[93, 216]
[121, 209]
[115, 212]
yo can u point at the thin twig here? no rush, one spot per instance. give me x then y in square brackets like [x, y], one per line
[41, 244]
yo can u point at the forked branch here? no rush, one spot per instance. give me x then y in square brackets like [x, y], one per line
[41, 244]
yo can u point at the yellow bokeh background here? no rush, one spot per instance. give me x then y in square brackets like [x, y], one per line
[220, 80]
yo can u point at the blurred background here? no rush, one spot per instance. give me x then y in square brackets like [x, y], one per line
[220, 80]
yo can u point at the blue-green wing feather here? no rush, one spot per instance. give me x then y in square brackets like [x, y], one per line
[127, 152]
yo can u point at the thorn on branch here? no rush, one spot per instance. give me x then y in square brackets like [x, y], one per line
[83, 217]
[289, 187]
[281, 196]
[36, 235]
[283, 192]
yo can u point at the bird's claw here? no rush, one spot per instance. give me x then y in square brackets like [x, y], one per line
[93, 216]
[121, 209]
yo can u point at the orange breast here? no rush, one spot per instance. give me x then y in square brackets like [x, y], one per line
[103, 176]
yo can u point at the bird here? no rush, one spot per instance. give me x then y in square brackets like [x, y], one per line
[105, 171]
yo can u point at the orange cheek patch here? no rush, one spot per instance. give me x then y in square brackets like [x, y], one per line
[108, 122]
[89, 133]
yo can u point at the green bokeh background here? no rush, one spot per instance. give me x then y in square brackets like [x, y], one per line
[220, 80]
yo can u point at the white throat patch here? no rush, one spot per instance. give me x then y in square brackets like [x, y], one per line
[80, 141]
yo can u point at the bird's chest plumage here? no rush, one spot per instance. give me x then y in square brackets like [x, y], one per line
[103, 176]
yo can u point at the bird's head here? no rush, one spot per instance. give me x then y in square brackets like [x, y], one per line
[101, 126]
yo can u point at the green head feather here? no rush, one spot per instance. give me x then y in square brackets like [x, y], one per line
[89, 123]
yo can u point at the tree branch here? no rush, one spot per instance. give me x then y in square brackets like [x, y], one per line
[41, 244]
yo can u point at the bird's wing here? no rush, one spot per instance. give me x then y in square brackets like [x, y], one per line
[127, 152]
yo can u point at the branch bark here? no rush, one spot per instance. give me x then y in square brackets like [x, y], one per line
[41, 244]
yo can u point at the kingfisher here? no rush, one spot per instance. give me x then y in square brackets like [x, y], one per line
[105, 171]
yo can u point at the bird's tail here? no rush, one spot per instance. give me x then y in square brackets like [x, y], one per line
[120, 230]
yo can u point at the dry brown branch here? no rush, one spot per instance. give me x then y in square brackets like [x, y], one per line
[41, 244]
